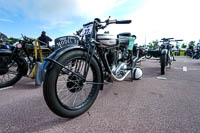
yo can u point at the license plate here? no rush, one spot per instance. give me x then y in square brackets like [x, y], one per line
[87, 30]
[66, 40]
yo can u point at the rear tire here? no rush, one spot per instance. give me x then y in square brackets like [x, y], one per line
[52, 95]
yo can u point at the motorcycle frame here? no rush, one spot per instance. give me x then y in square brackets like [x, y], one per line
[90, 45]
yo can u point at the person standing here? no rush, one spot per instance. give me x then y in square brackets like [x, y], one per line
[44, 39]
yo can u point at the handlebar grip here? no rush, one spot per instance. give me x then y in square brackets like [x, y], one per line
[167, 39]
[178, 40]
[123, 21]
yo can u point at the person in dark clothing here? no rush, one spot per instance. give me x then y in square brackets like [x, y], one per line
[44, 39]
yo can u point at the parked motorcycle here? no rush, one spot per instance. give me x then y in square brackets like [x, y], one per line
[76, 73]
[196, 54]
[152, 53]
[189, 51]
[166, 57]
[17, 60]
[13, 63]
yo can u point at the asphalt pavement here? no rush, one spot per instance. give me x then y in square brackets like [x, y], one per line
[154, 104]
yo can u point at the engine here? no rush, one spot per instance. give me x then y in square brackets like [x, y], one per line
[118, 60]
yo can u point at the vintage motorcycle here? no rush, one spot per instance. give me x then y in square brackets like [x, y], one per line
[166, 57]
[76, 73]
[196, 54]
[13, 64]
[17, 60]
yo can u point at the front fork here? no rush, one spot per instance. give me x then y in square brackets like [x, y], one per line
[90, 53]
[167, 53]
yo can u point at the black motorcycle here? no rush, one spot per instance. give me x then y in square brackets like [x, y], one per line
[76, 73]
[166, 57]
[15, 61]
[196, 54]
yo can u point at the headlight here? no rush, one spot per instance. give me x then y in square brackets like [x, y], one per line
[19, 45]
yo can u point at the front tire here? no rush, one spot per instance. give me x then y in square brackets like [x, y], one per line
[56, 98]
[148, 56]
[163, 64]
[13, 75]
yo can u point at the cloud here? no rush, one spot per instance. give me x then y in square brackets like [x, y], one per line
[60, 10]
[49, 10]
[171, 18]
[153, 20]
[164, 18]
[55, 24]
[96, 8]
[63, 16]
[6, 20]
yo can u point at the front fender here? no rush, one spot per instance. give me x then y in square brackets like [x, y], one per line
[164, 51]
[47, 65]
[23, 65]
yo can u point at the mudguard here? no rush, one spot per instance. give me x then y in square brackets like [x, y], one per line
[47, 64]
[164, 51]
[23, 66]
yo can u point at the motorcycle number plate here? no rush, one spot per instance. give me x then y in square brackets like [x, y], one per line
[87, 30]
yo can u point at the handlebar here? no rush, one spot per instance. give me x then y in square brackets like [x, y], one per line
[28, 39]
[164, 39]
[123, 21]
[178, 40]
[108, 21]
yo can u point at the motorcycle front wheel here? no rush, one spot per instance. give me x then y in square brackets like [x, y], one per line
[163, 63]
[65, 93]
[11, 73]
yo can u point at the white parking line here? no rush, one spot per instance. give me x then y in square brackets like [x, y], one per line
[185, 69]
[161, 78]
[193, 69]
[5, 88]
[178, 68]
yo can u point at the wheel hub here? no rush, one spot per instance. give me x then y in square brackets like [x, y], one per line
[74, 84]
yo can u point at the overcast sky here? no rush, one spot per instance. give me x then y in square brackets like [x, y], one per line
[151, 19]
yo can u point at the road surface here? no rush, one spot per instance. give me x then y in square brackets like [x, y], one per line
[154, 104]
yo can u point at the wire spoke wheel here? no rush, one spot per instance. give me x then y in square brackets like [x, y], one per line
[65, 93]
[9, 74]
[71, 90]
